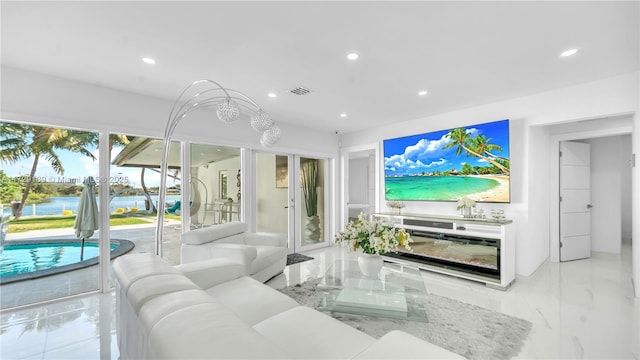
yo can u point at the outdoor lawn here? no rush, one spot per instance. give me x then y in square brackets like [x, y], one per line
[66, 221]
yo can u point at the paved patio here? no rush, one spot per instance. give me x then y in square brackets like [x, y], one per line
[83, 280]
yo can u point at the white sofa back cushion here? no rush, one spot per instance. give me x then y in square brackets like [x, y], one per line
[212, 233]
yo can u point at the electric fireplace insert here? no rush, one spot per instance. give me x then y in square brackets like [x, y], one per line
[474, 255]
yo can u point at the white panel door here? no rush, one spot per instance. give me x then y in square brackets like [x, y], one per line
[575, 201]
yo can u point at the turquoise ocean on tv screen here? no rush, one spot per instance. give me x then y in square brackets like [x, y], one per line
[447, 188]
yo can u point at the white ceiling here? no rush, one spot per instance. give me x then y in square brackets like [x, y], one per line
[463, 53]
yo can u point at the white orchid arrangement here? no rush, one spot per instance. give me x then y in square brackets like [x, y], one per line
[374, 236]
[395, 204]
[466, 202]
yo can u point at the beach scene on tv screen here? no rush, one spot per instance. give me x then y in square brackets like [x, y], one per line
[470, 161]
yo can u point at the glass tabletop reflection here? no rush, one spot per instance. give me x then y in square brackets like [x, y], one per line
[396, 292]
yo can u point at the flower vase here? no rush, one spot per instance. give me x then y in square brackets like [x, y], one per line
[466, 211]
[370, 264]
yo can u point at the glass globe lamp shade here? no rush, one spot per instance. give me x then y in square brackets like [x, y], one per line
[261, 120]
[270, 136]
[228, 110]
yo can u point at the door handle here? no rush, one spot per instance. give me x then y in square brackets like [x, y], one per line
[286, 207]
[589, 206]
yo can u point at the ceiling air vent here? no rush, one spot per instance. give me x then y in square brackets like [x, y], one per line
[301, 91]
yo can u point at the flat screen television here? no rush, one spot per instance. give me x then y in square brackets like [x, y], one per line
[470, 161]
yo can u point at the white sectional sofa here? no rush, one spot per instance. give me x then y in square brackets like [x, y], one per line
[264, 255]
[209, 310]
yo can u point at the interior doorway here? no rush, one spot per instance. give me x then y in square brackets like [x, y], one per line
[359, 181]
[611, 183]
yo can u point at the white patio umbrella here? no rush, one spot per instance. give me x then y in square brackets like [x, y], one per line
[87, 216]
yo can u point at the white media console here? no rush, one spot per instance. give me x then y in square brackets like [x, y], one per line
[472, 234]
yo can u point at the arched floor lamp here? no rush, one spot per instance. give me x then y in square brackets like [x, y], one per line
[228, 103]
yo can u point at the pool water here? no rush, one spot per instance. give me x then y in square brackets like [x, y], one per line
[25, 258]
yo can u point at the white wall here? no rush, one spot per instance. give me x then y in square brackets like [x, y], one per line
[537, 183]
[626, 188]
[529, 149]
[635, 204]
[212, 172]
[607, 193]
[371, 182]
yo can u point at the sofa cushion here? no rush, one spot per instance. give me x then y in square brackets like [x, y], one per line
[208, 331]
[251, 300]
[149, 287]
[267, 255]
[159, 307]
[212, 233]
[309, 334]
[210, 272]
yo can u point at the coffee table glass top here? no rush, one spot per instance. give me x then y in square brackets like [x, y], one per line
[392, 294]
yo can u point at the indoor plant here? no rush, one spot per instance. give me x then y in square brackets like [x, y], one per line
[374, 238]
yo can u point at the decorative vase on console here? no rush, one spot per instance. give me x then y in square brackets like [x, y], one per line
[465, 205]
[375, 238]
[396, 205]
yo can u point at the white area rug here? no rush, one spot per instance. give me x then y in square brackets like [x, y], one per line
[468, 330]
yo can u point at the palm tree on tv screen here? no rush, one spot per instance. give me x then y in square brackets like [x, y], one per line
[476, 146]
[482, 145]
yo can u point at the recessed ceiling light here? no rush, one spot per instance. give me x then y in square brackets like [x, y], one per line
[343, 115]
[272, 95]
[353, 56]
[148, 60]
[569, 52]
[422, 92]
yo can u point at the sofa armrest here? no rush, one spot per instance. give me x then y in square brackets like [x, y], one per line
[208, 273]
[401, 345]
[269, 239]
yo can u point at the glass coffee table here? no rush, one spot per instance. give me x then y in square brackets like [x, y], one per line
[393, 294]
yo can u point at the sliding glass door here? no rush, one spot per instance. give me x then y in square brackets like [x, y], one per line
[291, 199]
[215, 190]
[47, 176]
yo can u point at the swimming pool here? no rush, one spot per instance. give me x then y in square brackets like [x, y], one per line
[29, 259]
